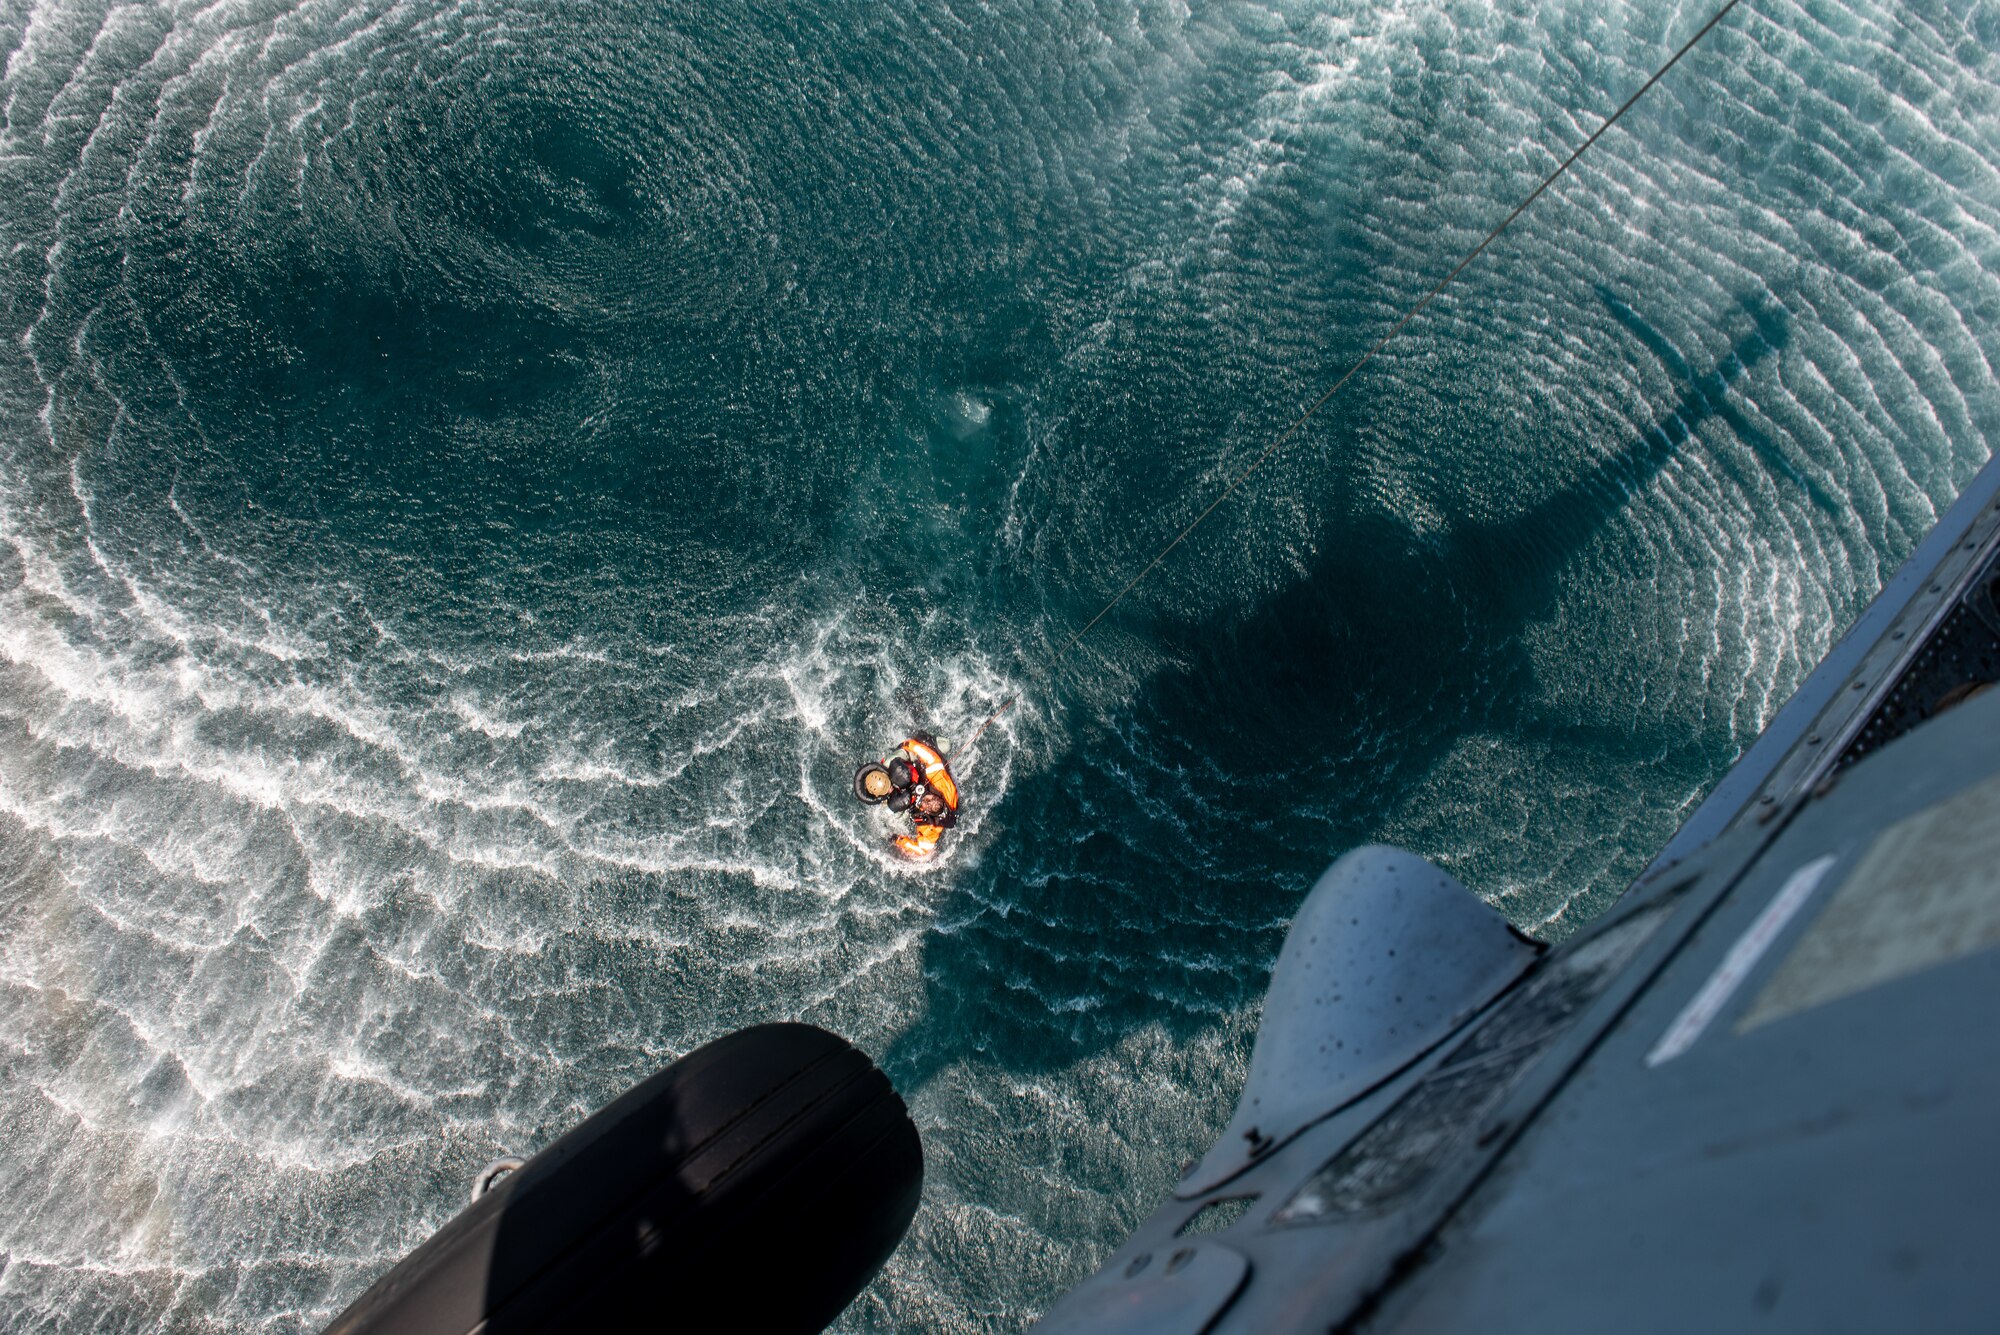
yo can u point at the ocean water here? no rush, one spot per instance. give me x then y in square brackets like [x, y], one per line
[476, 477]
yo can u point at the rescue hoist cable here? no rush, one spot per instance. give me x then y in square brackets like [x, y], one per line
[1312, 409]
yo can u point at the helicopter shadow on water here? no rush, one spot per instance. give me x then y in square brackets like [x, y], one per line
[1148, 876]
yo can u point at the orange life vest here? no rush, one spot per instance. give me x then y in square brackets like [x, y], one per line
[922, 844]
[936, 774]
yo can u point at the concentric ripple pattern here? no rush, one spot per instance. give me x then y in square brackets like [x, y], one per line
[476, 477]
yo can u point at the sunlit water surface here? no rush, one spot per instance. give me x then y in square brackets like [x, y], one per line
[475, 478]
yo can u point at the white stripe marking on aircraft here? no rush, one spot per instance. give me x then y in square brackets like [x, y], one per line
[1736, 965]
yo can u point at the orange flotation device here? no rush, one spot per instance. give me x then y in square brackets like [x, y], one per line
[929, 762]
[936, 773]
[921, 844]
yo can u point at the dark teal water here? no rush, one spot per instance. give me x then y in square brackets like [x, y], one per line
[475, 479]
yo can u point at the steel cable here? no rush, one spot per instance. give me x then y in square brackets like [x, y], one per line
[1312, 409]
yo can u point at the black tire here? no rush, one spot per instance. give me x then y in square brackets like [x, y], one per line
[872, 767]
[756, 1184]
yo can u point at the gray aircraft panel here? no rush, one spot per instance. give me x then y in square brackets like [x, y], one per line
[1831, 1169]
[1758, 1094]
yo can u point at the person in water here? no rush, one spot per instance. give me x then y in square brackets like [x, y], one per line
[923, 787]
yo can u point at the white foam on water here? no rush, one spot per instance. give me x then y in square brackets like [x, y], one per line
[307, 900]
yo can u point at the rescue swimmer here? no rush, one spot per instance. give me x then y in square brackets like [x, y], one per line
[915, 780]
